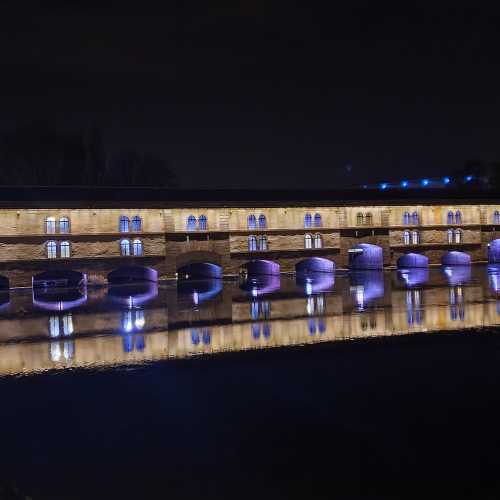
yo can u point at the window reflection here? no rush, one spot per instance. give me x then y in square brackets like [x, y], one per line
[132, 324]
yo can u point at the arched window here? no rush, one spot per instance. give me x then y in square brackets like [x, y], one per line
[51, 249]
[262, 221]
[406, 218]
[125, 247]
[318, 241]
[369, 219]
[415, 237]
[450, 217]
[65, 249]
[124, 222]
[308, 241]
[406, 237]
[359, 219]
[458, 217]
[64, 224]
[252, 243]
[458, 236]
[137, 248]
[50, 225]
[317, 220]
[307, 220]
[136, 224]
[414, 217]
[252, 222]
[202, 223]
[262, 243]
[450, 235]
[496, 217]
[191, 223]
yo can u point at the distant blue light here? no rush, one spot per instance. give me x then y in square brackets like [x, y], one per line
[404, 184]
[383, 185]
[468, 178]
[425, 182]
[446, 180]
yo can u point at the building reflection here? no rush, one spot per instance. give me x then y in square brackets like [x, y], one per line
[457, 277]
[366, 287]
[56, 299]
[61, 326]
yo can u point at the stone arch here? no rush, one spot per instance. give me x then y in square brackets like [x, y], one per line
[494, 252]
[366, 256]
[66, 278]
[127, 274]
[455, 258]
[199, 265]
[413, 260]
[262, 266]
[316, 265]
[53, 299]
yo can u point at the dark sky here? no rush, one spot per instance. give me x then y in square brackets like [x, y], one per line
[262, 93]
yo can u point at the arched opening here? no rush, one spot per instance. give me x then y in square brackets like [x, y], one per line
[4, 283]
[366, 256]
[198, 291]
[53, 299]
[199, 270]
[133, 295]
[261, 266]
[456, 259]
[366, 286]
[59, 278]
[412, 260]
[413, 277]
[127, 274]
[315, 265]
[313, 283]
[258, 285]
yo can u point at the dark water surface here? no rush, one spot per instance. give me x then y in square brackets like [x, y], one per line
[374, 385]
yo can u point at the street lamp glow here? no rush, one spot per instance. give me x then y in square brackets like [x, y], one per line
[404, 184]
[446, 180]
[383, 185]
[425, 182]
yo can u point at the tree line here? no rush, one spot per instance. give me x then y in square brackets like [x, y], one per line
[40, 155]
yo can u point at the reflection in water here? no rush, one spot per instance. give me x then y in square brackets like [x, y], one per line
[260, 317]
[457, 275]
[414, 277]
[366, 286]
[56, 299]
[315, 282]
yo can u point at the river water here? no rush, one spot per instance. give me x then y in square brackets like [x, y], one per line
[363, 385]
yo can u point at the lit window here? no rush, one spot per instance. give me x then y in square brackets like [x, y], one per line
[458, 217]
[308, 241]
[136, 224]
[202, 223]
[254, 310]
[67, 321]
[137, 248]
[252, 243]
[262, 243]
[51, 249]
[191, 223]
[359, 219]
[318, 241]
[450, 217]
[458, 236]
[414, 217]
[50, 225]
[415, 237]
[64, 225]
[406, 218]
[406, 237]
[307, 220]
[54, 326]
[139, 319]
[369, 219]
[317, 220]
[496, 217]
[262, 221]
[65, 249]
[124, 224]
[252, 222]
[450, 235]
[125, 247]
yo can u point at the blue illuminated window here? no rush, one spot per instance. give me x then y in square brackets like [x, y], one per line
[124, 224]
[450, 217]
[51, 249]
[458, 217]
[307, 220]
[64, 225]
[496, 217]
[262, 221]
[415, 237]
[252, 243]
[406, 237]
[414, 217]
[308, 241]
[262, 243]
[136, 224]
[202, 223]
[138, 248]
[252, 222]
[317, 220]
[125, 248]
[191, 223]
[406, 218]
[65, 250]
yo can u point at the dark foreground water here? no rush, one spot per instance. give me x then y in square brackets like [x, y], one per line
[376, 385]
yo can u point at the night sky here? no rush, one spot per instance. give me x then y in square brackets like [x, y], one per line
[261, 93]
